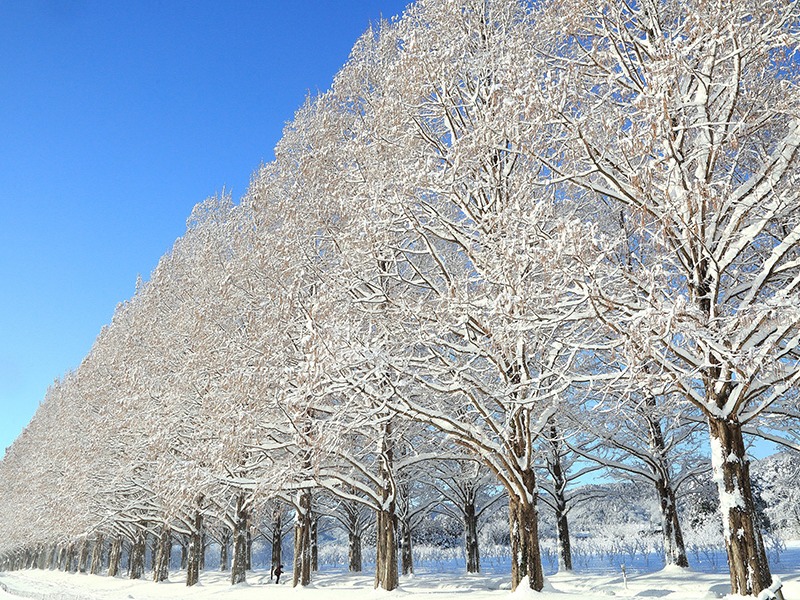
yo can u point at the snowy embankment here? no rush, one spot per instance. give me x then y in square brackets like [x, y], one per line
[675, 583]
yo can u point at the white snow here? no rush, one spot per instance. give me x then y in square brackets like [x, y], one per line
[675, 583]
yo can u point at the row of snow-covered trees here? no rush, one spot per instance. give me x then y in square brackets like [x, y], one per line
[525, 234]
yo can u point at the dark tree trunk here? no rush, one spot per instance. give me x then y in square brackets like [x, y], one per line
[406, 556]
[526, 558]
[114, 557]
[560, 501]
[97, 556]
[249, 554]
[184, 554]
[195, 550]
[53, 559]
[44, 555]
[62, 556]
[225, 540]
[302, 540]
[355, 560]
[153, 543]
[564, 545]
[203, 546]
[747, 558]
[404, 530]
[674, 548]
[277, 538]
[314, 544]
[354, 564]
[83, 556]
[162, 548]
[71, 559]
[136, 557]
[471, 535]
[386, 575]
[240, 530]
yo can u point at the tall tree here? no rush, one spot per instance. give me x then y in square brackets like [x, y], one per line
[683, 118]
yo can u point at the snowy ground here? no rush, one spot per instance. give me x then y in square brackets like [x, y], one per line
[672, 583]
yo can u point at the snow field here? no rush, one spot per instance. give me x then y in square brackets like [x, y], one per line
[672, 582]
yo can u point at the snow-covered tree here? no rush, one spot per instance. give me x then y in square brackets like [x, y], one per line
[682, 117]
[645, 437]
[468, 490]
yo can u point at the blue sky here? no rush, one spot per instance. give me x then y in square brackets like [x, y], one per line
[116, 118]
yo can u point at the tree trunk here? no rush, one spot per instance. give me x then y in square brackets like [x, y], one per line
[559, 499]
[194, 550]
[136, 556]
[526, 558]
[354, 564]
[43, 557]
[240, 527]
[277, 538]
[71, 559]
[564, 545]
[114, 557]
[747, 558]
[248, 563]
[386, 576]
[225, 540]
[471, 536]
[162, 549]
[83, 556]
[97, 556]
[562, 523]
[184, 554]
[203, 546]
[314, 544]
[406, 557]
[53, 559]
[153, 552]
[674, 548]
[302, 540]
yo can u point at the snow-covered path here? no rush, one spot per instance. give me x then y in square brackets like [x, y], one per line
[673, 583]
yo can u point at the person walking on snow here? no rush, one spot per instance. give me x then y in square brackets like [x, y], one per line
[278, 571]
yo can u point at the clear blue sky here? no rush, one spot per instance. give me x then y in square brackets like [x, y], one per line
[116, 117]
